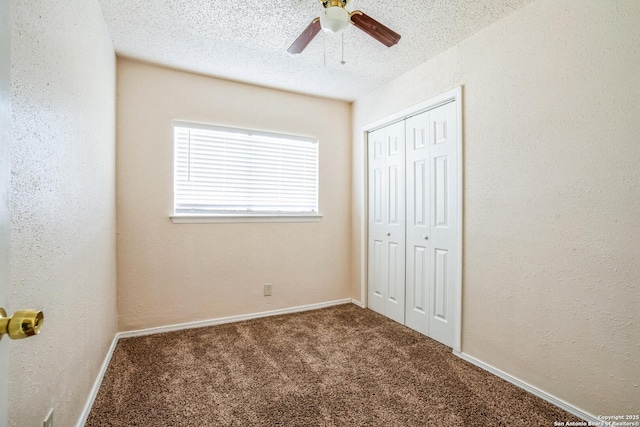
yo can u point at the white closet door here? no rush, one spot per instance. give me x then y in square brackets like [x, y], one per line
[387, 221]
[444, 219]
[413, 252]
[418, 266]
[395, 296]
[377, 265]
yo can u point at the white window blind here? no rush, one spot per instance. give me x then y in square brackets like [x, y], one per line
[227, 171]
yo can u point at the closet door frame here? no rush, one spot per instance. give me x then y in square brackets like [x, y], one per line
[445, 98]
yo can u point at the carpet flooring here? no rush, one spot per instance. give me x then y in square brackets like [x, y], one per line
[339, 366]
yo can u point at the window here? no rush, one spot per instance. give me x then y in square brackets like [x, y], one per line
[225, 173]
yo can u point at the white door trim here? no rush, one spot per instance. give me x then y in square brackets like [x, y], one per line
[449, 96]
[5, 194]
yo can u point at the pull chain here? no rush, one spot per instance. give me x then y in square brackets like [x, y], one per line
[342, 61]
[324, 48]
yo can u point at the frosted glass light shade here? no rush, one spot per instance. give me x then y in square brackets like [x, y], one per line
[334, 19]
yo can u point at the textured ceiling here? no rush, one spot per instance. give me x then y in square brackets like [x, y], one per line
[247, 40]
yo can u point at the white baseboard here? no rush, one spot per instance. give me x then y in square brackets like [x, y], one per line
[531, 389]
[190, 325]
[358, 303]
[230, 319]
[97, 383]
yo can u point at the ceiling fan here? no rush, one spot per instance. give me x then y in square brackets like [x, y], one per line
[335, 18]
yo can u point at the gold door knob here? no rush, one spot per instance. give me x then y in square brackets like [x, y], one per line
[23, 323]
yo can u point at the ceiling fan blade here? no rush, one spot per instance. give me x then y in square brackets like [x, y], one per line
[383, 34]
[305, 38]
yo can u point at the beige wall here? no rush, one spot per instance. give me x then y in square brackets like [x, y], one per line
[551, 193]
[62, 254]
[172, 273]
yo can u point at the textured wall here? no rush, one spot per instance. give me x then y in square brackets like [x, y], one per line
[551, 193]
[63, 204]
[172, 273]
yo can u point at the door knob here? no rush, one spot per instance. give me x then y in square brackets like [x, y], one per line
[388, 234]
[425, 237]
[23, 323]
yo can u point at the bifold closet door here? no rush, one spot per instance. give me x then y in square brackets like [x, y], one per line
[413, 217]
[418, 224]
[386, 293]
[444, 211]
[432, 222]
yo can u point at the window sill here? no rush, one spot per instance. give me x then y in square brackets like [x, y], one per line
[209, 219]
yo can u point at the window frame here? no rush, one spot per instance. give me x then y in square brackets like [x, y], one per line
[230, 217]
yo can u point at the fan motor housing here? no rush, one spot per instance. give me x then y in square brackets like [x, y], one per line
[333, 3]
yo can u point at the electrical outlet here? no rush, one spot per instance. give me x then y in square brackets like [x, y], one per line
[267, 289]
[48, 422]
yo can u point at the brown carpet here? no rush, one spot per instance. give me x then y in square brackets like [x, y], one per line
[339, 366]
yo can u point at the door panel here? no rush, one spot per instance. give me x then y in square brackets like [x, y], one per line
[419, 272]
[440, 188]
[394, 204]
[418, 223]
[377, 268]
[378, 196]
[393, 296]
[395, 140]
[387, 222]
[443, 196]
[418, 195]
[440, 285]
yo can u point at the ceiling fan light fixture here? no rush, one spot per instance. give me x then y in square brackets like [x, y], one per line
[334, 19]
